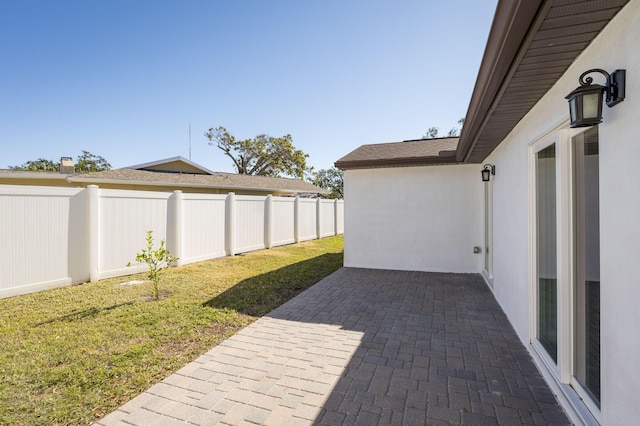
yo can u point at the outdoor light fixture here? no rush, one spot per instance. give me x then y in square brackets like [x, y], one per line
[585, 102]
[487, 171]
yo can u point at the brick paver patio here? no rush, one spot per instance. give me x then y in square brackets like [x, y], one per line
[362, 347]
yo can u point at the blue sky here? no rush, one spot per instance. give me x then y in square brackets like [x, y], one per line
[123, 79]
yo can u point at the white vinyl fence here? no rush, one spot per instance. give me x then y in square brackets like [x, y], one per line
[51, 237]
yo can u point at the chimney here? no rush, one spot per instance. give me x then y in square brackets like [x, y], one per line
[66, 166]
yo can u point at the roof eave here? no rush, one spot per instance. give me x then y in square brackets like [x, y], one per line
[189, 185]
[395, 162]
[527, 39]
[51, 176]
[511, 24]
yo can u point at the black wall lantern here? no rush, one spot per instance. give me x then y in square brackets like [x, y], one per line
[585, 102]
[487, 171]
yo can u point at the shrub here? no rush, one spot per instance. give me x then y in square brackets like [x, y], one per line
[157, 261]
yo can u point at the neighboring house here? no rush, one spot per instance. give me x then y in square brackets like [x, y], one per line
[559, 217]
[170, 174]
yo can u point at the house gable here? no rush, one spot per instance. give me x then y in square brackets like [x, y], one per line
[173, 165]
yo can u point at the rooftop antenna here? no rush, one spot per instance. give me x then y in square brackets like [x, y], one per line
[189, 141]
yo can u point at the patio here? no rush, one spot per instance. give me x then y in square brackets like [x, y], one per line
[362, 347]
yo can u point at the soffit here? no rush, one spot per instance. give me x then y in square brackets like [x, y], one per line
[531, 44]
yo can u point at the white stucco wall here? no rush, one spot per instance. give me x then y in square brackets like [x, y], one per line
[615, 48]
[414, 218]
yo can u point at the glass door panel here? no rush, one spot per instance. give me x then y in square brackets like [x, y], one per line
[587, 263]
[547, 292]
[487, 229]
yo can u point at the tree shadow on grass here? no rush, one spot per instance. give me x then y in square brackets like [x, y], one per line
[85, 313]
[259, 295]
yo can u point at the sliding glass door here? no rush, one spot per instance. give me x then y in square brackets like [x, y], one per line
[565, 285]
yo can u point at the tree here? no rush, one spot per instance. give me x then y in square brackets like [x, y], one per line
[455, 131]
[38, 165]
[157, 261]
[86, 162]
[432, 132]
[263, 155]
[332, 180]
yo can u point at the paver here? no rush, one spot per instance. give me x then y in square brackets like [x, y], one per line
[362, 347]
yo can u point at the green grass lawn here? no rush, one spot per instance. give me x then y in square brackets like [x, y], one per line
[72, 355]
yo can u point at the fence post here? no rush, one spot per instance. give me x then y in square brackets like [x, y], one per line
[318, 218]
[230, 242]
[268, 221]
[296, 219]
[93, 203]
[174, 239]
[335, 217]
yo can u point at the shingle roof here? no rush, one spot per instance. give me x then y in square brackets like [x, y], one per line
[228, 181]
[409, 153]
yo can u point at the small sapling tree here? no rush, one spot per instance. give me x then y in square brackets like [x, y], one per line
[157, 261]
